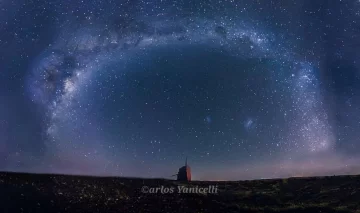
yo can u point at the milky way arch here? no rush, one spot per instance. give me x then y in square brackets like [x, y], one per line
[63, 71]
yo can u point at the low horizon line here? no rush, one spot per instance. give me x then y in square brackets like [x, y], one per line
[163, 178]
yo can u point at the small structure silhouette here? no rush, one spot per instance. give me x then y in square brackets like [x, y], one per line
[184, 173]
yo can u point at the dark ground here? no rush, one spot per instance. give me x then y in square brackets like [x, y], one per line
[60, 193]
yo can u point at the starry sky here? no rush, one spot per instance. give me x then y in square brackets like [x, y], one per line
[244, 89]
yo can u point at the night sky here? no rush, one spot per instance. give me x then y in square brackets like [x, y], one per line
[244, 89]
